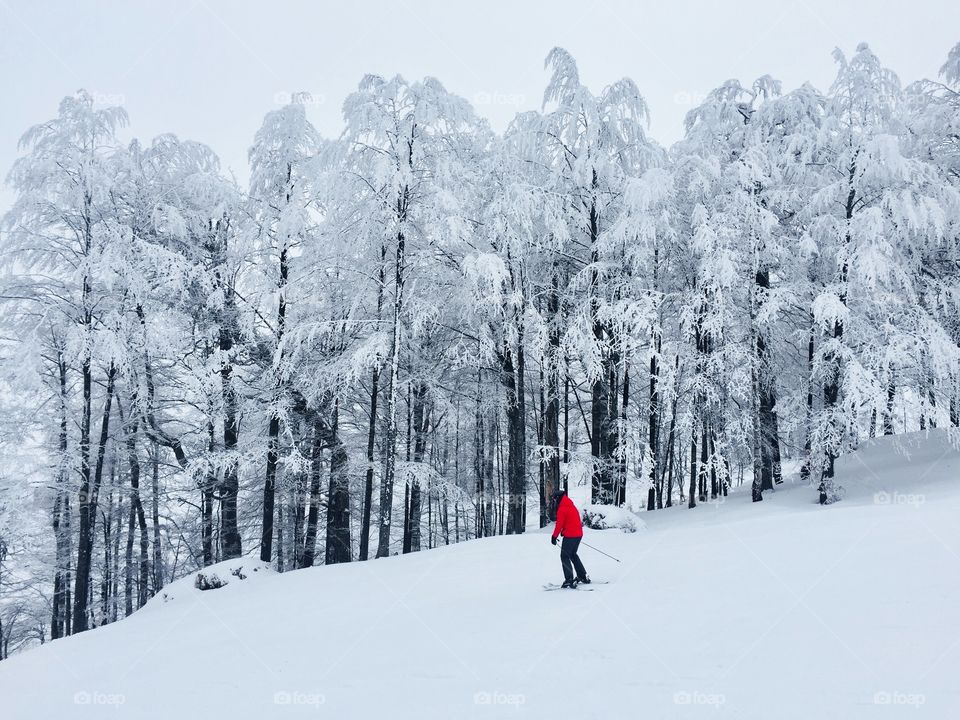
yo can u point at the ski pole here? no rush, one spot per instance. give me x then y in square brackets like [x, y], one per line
[599, 551]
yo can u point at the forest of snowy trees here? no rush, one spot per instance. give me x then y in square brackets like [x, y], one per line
[410, 335]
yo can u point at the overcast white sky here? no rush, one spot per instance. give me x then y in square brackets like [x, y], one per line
[209, 69]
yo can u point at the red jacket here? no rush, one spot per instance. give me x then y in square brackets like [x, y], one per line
[568, 520]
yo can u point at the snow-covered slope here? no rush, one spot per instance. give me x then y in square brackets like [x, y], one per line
[785, 610]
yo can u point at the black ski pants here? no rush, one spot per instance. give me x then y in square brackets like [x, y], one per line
[570, 560]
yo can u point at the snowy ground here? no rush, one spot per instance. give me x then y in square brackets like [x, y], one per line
[788, 610]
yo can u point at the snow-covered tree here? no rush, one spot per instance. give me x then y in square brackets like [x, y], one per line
[593, 144]
[59, 229]
[280, 192]
[401, 162]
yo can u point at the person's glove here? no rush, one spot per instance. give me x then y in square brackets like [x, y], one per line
[553, 539]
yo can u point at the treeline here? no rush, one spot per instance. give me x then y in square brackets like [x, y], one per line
[412, 334]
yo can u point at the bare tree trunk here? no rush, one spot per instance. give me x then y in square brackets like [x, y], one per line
[805, 468]
[297, 510]
[281, 558]
[313, 511]
[273, 431]
[714, 481]
[499, 475]
[704, 457]
[143, 587]
[136, 513]
[87, 513]
[60, 605]
[612, 434]
[421, 418]
[386, 488]
[206, 503]
[831, 389]
[230, 484]
[489, 469]
[693, 466]
[621, 496]
[478, 468]
[118, 531]
[671, 439]
[230, 542]
[405, 545]
[599, 408]
[601, 490]
[775, 448]
[445, 516]
[66, 523]
[372, 429]
[368, 482]
[338, 548]
[89, 491]
[551, 416]
[541, 443]
[106, 575]
[888, 412]
[954, 405]
[653, 410]
[756, 488]
[58, 608]
[566, 424]
[928, 411]
[128, 559]
[270, 484]
[769, 440]
[516, 436]
[155, 517]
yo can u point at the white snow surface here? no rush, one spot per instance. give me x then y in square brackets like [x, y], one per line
[732, 610]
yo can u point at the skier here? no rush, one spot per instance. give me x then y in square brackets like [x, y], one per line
[569, 525]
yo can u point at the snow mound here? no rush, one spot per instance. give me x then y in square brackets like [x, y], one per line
[225, 576]
[611, 517]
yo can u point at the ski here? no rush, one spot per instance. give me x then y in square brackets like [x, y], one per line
[556, 586]
[551, 587]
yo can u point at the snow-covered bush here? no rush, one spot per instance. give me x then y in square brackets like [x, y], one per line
[608, 517]
[208, 581]
[225, 574]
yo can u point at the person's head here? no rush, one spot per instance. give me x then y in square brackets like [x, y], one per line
[557, 496]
